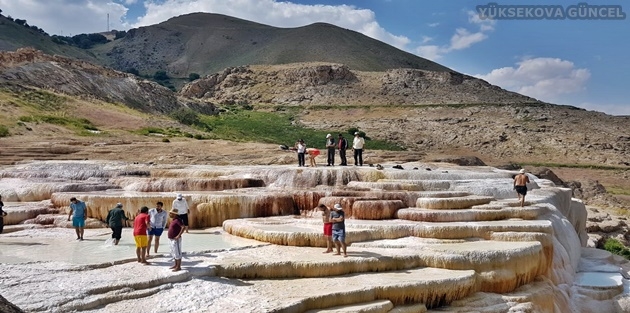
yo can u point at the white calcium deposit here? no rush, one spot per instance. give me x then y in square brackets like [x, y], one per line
[437, 238]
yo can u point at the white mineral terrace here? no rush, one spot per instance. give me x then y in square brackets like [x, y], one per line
[440, 238]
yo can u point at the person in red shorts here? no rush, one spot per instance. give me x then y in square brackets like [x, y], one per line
[312, 153]
[140, 226]
[327, 227]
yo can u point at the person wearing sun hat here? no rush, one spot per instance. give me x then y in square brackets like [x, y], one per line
[520, 185]
[182, 207]
[337, 217]
[175, 231]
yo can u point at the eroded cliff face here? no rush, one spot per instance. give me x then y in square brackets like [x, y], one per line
[32, 68]
[333, 84]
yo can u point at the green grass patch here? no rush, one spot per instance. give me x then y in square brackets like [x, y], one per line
[40, 100]
[169, 131]
[82, 125]
[614, 190]
[614, 246]
[274, 127]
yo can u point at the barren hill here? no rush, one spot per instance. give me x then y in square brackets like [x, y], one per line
[205, 43]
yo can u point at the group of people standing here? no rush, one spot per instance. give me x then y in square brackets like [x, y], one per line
[149, 224]
[332, 145]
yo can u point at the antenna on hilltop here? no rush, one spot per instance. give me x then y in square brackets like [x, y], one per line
[108, 22]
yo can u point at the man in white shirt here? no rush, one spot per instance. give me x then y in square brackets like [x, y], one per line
[357, 147]
[182, 207]
[157, 221]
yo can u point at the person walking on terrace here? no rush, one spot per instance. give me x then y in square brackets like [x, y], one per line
[140, 227]
[78, 212]
[157, 219]
[182, 207]
[330, 147]
[337, 217]
[520, 185]
[342, 145]
[327, 227]
[357, 147]
[175, 231]
[114, 220]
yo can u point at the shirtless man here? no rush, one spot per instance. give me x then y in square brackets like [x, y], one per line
[520, 185]
[327, 227]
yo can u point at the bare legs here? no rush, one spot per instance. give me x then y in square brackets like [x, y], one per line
[141, 254]
[329, 244]
[79, 231]
[341, 244]
[177, 266]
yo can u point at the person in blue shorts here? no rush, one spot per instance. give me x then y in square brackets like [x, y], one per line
[78, 212]
[158, 218]
[337, 217]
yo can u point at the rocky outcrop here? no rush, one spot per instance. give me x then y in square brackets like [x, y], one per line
[334, 84]
[32, 68]
[8, 307]
[462, 161]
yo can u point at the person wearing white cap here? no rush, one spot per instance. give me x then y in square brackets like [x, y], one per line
[331, 147]
[357, 147]
[182, 207]
[337, 217]
[520, 185]
[114, 220]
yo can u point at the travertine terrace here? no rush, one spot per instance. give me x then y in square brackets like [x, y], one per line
[438, 237]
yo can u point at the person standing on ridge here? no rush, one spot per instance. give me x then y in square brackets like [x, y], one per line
[520, 185]
[114, 220]
[330, 146]
[158, 218]
[357, 146]
[337, 217]
[300, 147]
[78, 212]
[342, 145]
[2, 215]
[182, 207]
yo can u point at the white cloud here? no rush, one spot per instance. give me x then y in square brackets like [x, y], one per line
[542, 78]
[275, 13]
[129, 2]
[426, 39]
[67, 17]
[462, 39]
[433, 24]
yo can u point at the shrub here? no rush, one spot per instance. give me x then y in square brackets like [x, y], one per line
[188, 135]
[133, 71]
[615, 247]
[198, 137]
[4, 131]
[165, 140]
[160, 75]
[185, 116]
[193, 76]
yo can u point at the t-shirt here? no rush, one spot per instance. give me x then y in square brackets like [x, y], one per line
[301, 148]
[358, 143]
[115, 217]
[140, 224]
[158, 219]
[336, 214]
[342, 144]
[78, 209]
[181, 206]
[330, 143]
[175, 228]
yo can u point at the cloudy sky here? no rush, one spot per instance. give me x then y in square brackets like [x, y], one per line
[577, 62]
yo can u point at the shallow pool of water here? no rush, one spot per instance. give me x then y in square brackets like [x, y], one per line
[36, 245]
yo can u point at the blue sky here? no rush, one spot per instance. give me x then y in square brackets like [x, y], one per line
[575, 62]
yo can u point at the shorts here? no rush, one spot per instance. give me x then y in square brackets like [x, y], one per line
[176, 248]
[142, 241]
[521, 190]
[328, 229]
[78, 222]
[157, 232]
[339, 235]
[184, 218]
[117, 232]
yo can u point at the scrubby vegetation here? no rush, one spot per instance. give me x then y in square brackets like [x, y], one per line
[4, 131]
[82, 125]
[616, 247]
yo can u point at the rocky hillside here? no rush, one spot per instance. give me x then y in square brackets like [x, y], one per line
[337, 84]
[33, 68]
[206, 43]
